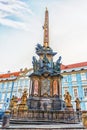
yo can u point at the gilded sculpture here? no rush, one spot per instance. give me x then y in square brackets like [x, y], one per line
[67, 98]
[12, 102]
[14, 105]
[77, 101]
[24, 97]
[23, 105]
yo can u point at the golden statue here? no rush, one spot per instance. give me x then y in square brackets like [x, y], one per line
[23, 105]
[67, 98]
[24, 97]
[13, 104]
[78, 104]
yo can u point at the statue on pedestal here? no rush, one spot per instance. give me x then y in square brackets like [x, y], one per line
[22, 108]
[13, 105]
[24, 97]
[12, 102]
[39, 47]
[67, 98]
[35, 63]
[77, 101]
[57, 65]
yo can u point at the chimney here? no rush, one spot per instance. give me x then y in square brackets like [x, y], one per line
[9, 72]
[21, 70]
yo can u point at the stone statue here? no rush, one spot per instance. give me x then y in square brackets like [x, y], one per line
[67, 98]
[41, 63]
[35, 63]
[39, 47]
[77, 101]
[59, 60]
[45, 62]
[58, 63]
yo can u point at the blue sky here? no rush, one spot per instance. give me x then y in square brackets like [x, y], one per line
[21, 24]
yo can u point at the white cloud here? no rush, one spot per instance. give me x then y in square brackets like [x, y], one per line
[15, 8]
[14, 24]
[68, 31]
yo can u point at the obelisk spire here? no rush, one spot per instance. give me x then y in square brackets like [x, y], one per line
[46, 29]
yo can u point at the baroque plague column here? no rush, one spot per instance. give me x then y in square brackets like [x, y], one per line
[44, 102]
[46, 78]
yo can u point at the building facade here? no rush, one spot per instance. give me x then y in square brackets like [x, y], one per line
[13, 84]
[75, 82]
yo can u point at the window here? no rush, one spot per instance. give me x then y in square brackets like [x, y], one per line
[3, 96]
[26, 87]
[75, 92]
[85, 92]
[9, 86]
[0, 84]
[8, 95]
[73, 77]
[83, 76]
[65, 79]
[19, 83]
[5, 86]
[1, 87]
[15, 88]
[15, 83]
[23, 82]
[65, 90]
[27, 82]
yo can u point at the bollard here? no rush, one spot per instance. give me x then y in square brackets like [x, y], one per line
[6, 119]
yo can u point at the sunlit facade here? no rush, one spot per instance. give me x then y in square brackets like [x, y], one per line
[75, 82]
[13, 84]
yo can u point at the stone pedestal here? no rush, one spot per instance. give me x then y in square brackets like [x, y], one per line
[69, 108]
[46, 103]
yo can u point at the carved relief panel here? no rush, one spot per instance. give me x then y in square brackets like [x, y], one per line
[35, 87]
[45, 87]
[55, 87]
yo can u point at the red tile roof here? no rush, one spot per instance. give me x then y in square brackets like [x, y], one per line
[9, 75]
[71, 66]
